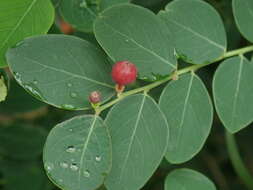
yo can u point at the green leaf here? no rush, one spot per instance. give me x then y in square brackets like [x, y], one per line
[16, 141]
[20, 19]
[77, 153]
[139, 134]
[138, 37]
[3, 89]
[189, 112]
[233, 92]
[61, 70]
[19, 101]
[82, 13]
[197, 30]
[109, 3]
[243, 13]
[187, 179]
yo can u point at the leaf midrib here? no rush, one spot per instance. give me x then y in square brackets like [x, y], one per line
[86, 142]
[235, 99]
[68, 73]
[18, 24]
[184, 109]
[132, 137]
[198, 34]
[141, 46]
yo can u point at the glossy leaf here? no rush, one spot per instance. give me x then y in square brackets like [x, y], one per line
[16, 141]
[187, 179]
[189, 112]
[82, 13]
[20, 19]
[197, 30]
[61, 70]
[243, 13]
[233, 92]
[77, 153]
[139, 134]
[138, 37]
[19, 101]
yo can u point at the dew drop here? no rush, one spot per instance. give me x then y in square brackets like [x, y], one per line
[60, 180]
[64, 165]
[74, 167]
[49, 166]
[71, 130]
[98, 158]
[73, 95]
[127, 40]
[86, 173]
[69, 84]
[71, 149]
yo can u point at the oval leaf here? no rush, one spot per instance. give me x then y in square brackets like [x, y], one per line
[243, 13]
[139, 134]
[20, 19]
[187, 179]
[61, 70]
[197, 30]
[233, 92]
[138, 37]
[77, 153]
[82, 13]
[16, 142]
[189, 112]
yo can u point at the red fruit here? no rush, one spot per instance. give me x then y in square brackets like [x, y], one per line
[95, 97]
[124, 72]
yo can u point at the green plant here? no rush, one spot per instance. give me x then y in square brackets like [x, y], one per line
[121, 148]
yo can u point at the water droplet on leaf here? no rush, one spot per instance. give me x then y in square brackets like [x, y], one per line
[69, 84]
[64, 165]
[74, 167]
[49, 166]
[98, 158]
[86, 173]
[71, 149]
[73, 95]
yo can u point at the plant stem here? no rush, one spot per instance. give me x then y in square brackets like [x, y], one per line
[237, 162]
[179, 72]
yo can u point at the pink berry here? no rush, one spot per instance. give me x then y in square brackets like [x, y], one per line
[124, 72]
[95, 97]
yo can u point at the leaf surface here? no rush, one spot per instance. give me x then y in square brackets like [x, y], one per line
[197, 30]
[20, 19]
[187, 179]
[77, 153]
[189, 112]
[139, 134]
[233, 92]
[61, 70]
[243, 13]
[139, 37]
